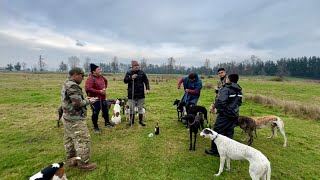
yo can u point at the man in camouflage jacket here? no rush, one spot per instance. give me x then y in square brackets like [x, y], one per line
[76, 133]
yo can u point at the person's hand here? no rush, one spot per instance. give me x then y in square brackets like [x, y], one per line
[178, 87]
[187, 90]
[148, 91]
[134, 76]
[92, 99]
[103, 91]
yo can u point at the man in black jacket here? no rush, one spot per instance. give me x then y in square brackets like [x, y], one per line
[136, 80]
[227, 104]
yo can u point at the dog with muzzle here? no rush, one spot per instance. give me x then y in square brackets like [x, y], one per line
[230, 149]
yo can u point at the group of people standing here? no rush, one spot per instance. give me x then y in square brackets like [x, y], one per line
[227, 102]
[74, 105]
[76, 133]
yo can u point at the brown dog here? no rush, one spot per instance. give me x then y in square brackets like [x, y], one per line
[250, 124]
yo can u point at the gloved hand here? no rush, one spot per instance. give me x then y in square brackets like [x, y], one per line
[148, 91]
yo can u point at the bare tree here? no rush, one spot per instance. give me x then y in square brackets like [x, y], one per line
[171, 64]
[42, 64]
[86, 64]
[73, 61]
[115, 64]
[143, 63]
[207, 66]
[24, 65]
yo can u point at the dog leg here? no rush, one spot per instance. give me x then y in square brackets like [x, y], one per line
[222, 161]
[190, 131]
[195, 140]
[272, 129]
[250, 134]
[228, 164]
[284, 136]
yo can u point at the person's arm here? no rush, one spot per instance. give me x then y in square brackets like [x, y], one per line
[127, 78]
[89, 86]
[105, 81]
[146, 81]
[179, 83]
[76, 97]
[222, 99]
[197, 89]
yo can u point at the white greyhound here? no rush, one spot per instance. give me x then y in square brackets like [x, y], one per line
[230, 149]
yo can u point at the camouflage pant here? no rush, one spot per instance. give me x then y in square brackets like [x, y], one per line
[76, 139]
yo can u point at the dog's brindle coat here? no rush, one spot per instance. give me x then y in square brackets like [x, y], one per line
[230, 149]
[252, 123]
[248, 125]
[195, 122]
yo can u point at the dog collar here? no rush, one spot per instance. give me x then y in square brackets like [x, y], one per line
[215, 137]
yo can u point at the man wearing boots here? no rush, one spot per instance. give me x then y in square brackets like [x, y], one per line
[136, 80]
[76, 133]
[96, 85]
[227, 104]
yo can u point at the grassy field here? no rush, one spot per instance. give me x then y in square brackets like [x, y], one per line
[30, 140]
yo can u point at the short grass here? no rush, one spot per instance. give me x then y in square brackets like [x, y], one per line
[30, 140]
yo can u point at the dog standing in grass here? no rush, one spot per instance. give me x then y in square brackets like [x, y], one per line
[116, 117]
[250, 124]
[230, 149]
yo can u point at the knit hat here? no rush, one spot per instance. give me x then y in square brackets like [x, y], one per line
[134, 63]
[93, 67]
[76, 70]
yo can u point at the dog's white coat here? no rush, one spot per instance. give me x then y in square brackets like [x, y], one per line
[230, 149]
[116, 117]
[267, 121]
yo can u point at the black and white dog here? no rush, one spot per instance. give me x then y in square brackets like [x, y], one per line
[195, 122]
[230, 149]
[53, 171]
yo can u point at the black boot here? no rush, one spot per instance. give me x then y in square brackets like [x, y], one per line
[140, 120]
[131, 121]
[213, 151]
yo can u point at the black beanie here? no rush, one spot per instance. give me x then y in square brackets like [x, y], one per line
[93, 67]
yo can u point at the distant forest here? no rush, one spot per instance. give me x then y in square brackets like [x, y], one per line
[303, 67]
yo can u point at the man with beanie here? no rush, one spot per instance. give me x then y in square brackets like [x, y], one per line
[76, 133]
[227, 104]
[96, 86]
[136, 80]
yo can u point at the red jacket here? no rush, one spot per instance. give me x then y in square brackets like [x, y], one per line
[94, 84]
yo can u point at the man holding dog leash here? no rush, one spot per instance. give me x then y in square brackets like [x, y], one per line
[96, 85]
[136, 80]
[192, 85]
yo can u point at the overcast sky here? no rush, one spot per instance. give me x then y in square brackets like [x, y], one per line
[189, 31]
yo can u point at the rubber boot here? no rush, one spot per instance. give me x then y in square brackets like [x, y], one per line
[131, 121]
[141, 120]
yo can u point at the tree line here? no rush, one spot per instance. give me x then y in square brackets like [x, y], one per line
[304, 67]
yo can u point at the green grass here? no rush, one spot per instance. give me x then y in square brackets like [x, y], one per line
[30, 140]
